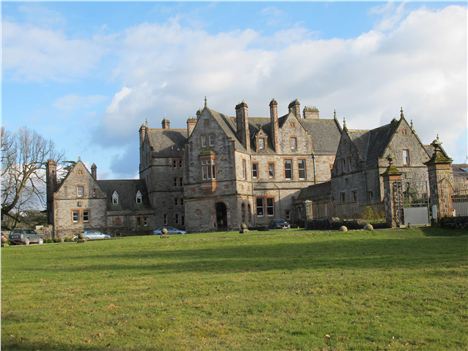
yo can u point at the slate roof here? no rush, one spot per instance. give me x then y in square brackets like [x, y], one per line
[315, 192]
[372, 143]
[127, 190]
[167, 142]
[460, 170]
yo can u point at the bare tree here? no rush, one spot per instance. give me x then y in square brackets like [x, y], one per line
[24, 158]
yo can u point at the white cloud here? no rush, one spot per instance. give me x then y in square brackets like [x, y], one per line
[417, 61]
[73, 102]
[35, 53]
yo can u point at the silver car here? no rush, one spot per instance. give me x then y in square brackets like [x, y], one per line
[93, 235]
[25, 237]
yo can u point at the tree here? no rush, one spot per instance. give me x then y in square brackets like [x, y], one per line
[24, 159]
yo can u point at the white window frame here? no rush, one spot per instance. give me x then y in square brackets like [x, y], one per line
[115, 198]
[303, 169]
[138, 197]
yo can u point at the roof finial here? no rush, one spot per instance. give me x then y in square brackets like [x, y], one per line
[411, 125]
[401, 113]
[334, 113]
[146, 122]
[206, 103]
[344, 123]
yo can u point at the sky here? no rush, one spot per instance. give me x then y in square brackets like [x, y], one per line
[88, 74]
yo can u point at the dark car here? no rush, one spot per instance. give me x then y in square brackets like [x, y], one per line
[279, 224]
[170, 230]
[25, 237]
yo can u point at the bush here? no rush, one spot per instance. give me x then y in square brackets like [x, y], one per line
[454, 222]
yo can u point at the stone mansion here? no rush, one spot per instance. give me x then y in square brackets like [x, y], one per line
[221, 171]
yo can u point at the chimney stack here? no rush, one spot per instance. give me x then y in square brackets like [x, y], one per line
[274, 124]
[242, 121]
[295, 108]
[191, 122]
[94, 171]
[311, 112]
[166, 124]
[142, 131]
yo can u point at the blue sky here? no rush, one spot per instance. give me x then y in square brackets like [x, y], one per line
[88, 74]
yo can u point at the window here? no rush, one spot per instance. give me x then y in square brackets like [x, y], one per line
[288, 169]
[174, 163]
[182, 201]
[259, 207]
[175, 201]
[86, 216]
[94, 192]
[145, 221]
[138, 219]
[370, 196]
[270, 207]
[208, 169]
[75, 216]
[343, 165]
[271, 170]
[175, 181]
[177, 218]
[349, 164]
[79, 191]
[342, 197]
[301, 165]
[180, 163]
[354, 195]
[244, 169]
[165, 219]
[139, 197]
[254, 170]
[287, 214]
[182, 220]
[293, 143]
[406, 157]
[261, 143]
[181, 181]
[211, 140]
[203, 140]
[115, 198]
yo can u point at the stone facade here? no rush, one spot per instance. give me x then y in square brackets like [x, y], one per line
[235, 169]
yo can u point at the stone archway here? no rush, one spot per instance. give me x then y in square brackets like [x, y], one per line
[221, 216]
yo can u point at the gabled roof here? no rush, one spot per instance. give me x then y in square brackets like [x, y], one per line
[167, 142]
[127, 190]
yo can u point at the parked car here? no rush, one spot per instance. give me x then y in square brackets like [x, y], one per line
[25, 236]
[170, 230]
[279, 224]
[93, 235]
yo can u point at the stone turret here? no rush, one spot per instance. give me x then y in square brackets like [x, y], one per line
[242, 122]
[274, 124]
[295, 108]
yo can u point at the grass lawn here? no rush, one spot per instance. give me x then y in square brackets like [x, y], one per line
[276, 290]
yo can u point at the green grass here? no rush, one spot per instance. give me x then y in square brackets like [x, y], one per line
[276, 290]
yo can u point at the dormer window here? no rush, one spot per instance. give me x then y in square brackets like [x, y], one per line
[139, 197]
[261, 143]
[115, 198]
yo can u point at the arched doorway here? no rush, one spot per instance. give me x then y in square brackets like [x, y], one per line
[221, 216]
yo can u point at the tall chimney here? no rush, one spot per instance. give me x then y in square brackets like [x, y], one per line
[311, 112]
[295, 108]
[142, 131]
[242, 121]
[274, 124]
[191, 122]
[51, 184]
[94, 171]
[166, 124]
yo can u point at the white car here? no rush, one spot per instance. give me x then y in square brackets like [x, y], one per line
[93, 235]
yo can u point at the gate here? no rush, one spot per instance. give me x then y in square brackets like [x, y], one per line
[415, 196]
[460, 202]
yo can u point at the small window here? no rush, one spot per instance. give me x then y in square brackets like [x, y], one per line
[174, 163]
[165, 219]
[301, 164]
[259, 207]
[138, 219]
[139, 197]
[244, 169]
[370, 196]
[115, 198]
[261, 143]
[254, 170]
[288, 169]
[287, 214]
[177, 218]
[406, 157]
[181, 181]
[342, 197]
[75, 216]
[86, 216]
[211, 140]
[354, 195]
[182, 201]
[79, 191]
[145, 221]
[293, 143]
[94, 192]
[270, 207]
[175, 181]
[175, 201]
[180, 163]
[203, 140]
[271, 170]
[182, 220]
[208, 168]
